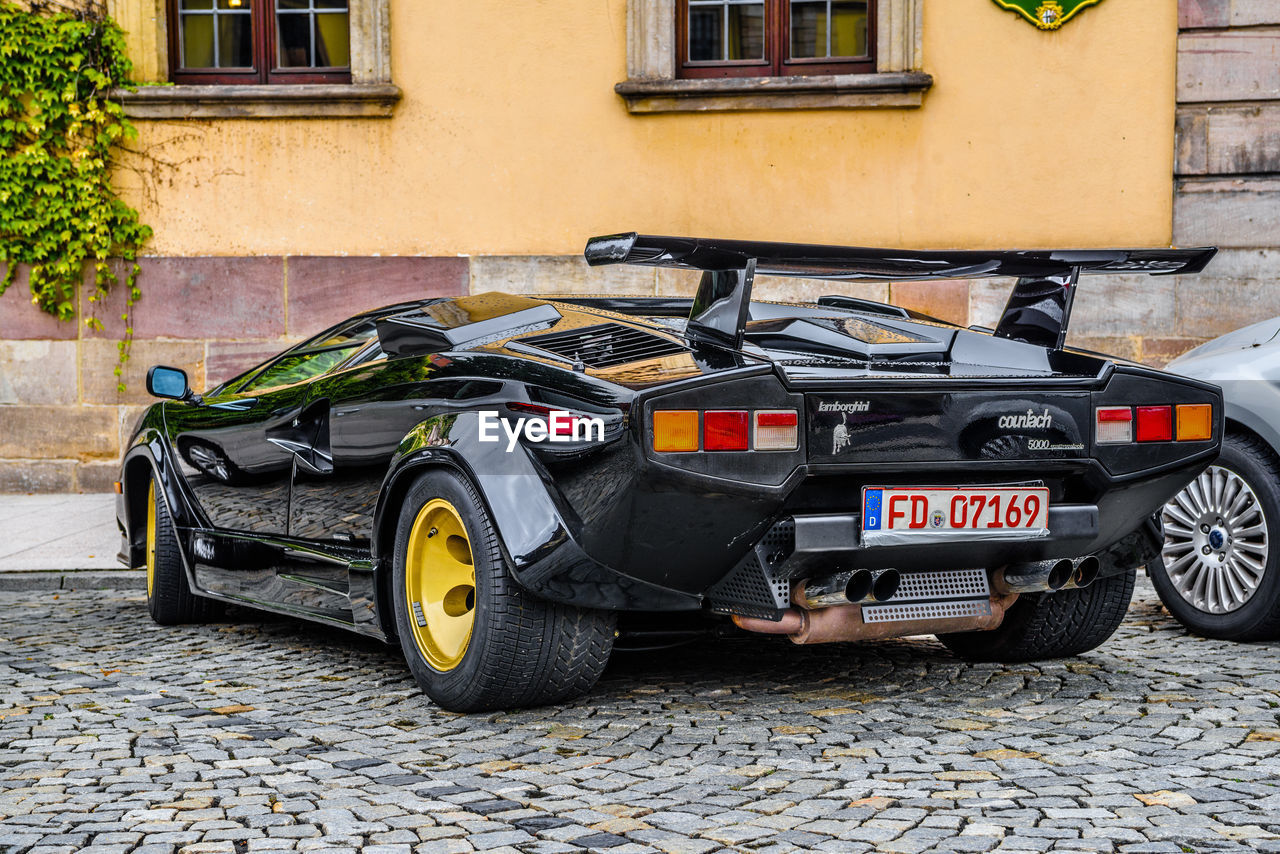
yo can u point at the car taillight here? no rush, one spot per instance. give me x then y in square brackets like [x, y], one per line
[724, 430]
[1155, 424]
[560, 422]
[1185, 422]
[684, 430]
[1195, 422]
[777, 430]
[1114, 424]
[675, 430]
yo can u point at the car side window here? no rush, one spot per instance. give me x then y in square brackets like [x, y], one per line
[372, 352]
[298, 367]
[315, 357]
[353, 334]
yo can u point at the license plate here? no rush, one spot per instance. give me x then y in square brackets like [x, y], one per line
[940, 514]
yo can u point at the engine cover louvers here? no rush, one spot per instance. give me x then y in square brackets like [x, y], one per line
[605, 345]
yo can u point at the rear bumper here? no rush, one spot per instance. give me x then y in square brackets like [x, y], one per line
[672, 541]
[828, 542]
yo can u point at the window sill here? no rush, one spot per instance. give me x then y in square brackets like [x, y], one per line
[818, 92]
[313, 101]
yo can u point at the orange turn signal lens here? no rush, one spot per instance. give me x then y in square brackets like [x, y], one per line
[1195, 422]
[675, 430]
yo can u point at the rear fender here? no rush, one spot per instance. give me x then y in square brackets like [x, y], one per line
[509, 482]
[535, 527]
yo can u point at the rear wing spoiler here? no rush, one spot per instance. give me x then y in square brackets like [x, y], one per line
[1037, 312]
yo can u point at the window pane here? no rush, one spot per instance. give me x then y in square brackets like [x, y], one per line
[333, 40]
[292, 4]
[332, 4]
[808, 29]
[848, 28]
[197, 41]
[706, 33]
[822, 29]
[197, 4]
[235, 41]
[293, 41]
[746, 31]
[234, 5]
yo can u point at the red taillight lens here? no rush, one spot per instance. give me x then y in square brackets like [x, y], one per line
[559, 421]
[531, 408]
[1113, 425]
[724, 430]
[777, 430]
[1155, 424]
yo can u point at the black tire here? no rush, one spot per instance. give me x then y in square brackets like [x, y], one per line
[523, 651]
[1050, 625]
[1259, 617]
[169, 597]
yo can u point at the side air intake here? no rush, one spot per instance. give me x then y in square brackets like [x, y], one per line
[605, 345]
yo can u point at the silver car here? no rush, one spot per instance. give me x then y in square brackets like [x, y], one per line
[1219, 576]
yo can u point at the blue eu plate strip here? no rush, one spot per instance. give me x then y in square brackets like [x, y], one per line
[871, 499]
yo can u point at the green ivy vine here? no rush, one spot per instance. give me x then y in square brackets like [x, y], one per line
[59, 212]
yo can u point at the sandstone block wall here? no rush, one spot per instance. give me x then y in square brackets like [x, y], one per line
[62, 420]
[1227, 165]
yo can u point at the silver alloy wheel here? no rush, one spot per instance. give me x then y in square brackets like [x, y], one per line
[1215, 541]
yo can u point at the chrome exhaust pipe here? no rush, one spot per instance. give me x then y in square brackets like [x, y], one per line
[851, 587]
[1084, 573]
[1046, 575]
[842, 588]
[885, 585]
[1036, 577]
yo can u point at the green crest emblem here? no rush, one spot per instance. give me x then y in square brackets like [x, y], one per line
[1046, 14]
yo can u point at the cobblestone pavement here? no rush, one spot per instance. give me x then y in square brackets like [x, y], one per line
[266, 734]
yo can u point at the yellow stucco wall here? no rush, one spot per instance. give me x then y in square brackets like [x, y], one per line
[510, 140]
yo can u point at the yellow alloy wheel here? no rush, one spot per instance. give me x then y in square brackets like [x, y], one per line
[440, 585]
[151, 539]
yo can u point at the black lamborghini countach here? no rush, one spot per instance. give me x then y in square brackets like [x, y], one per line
[508, 486]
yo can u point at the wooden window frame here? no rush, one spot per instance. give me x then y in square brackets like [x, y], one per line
[263, 39]
[777, 61]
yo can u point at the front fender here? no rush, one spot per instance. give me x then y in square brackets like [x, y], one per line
[534, 525]
[147, 458]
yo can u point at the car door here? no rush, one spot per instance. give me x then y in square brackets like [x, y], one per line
[238, 449]
[370, 408]
[362, 415]
[238, 476]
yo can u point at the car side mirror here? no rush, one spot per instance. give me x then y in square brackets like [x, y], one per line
[168, 382]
